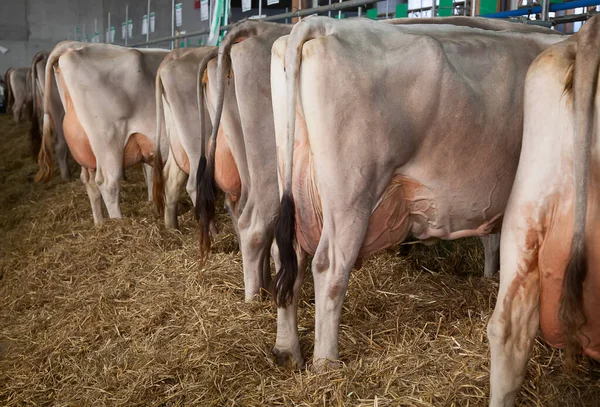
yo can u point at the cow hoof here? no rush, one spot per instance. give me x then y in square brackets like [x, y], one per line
[286, 359]
[326, 365]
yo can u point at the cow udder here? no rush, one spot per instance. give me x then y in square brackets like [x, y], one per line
[553, 259]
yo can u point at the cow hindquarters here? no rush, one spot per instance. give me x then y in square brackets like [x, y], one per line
[88, 179]
[514, 324]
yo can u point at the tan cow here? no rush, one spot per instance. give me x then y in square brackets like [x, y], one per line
[245, 57]
[109, 125]
[177, 101]
[38, 81]
[550, 251]
[19, 93]
[241, 85]
[392, 130]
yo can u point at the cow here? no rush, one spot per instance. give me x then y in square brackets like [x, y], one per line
[38, 80]
[246, 53]
[550, 248]
[414, 139]
[109, 124]
[240, 83]
[177, 102]
[19, 94]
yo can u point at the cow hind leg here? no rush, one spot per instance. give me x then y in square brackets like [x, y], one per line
[148, 177]
[287, 343]
[255, 242]
[231, 208]
[17, 114]
[174, 182]
[88, 179]
[334, 258]
[61, 149]
[108, 179]
[514, 324]
[491, 246]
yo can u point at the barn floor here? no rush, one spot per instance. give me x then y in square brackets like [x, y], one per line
[122, 315]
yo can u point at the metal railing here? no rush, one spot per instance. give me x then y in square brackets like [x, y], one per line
[277, 17]
[334, 5]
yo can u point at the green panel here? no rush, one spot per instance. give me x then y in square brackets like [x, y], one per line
[372, 13]
[487, 6]
[402, 10]
[445, 8]
[343, 16]
[555, 1]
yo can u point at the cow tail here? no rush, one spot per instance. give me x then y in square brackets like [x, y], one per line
[29, 103]
[9, 101]
[158, 177]
[205, 184]
[285, 229]
[35, 136]
[585, 85]
[45, 156]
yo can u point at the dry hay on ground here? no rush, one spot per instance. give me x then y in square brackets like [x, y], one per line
[123, 315]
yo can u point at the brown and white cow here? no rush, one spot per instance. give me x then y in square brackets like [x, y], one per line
[19, 92]
[38, 85]
[550, 250]
[242, 90]
[392, 130]
[107, 92]
[245, 57]
[177, 101]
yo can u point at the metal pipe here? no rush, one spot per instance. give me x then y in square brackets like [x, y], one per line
[108, 29]
[259, 8]
[276, 17]
[286, 10]
[126, 23]
[473, 8]
[537, 9]
[340, 12]
[387, 9]
[173, 23]
[148, 24]
[571, 18]
[433, 10]
[328, 13]
[359, 11]
[545, 9]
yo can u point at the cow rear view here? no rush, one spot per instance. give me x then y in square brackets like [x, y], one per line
[550, 250]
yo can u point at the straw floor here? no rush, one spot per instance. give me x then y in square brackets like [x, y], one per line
[122, 314]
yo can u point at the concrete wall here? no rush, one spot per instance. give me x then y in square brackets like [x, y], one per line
[28, 26]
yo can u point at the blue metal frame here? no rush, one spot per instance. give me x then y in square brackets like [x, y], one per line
[538, 9]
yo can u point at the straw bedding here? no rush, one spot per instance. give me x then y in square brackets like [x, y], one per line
[122, 314]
